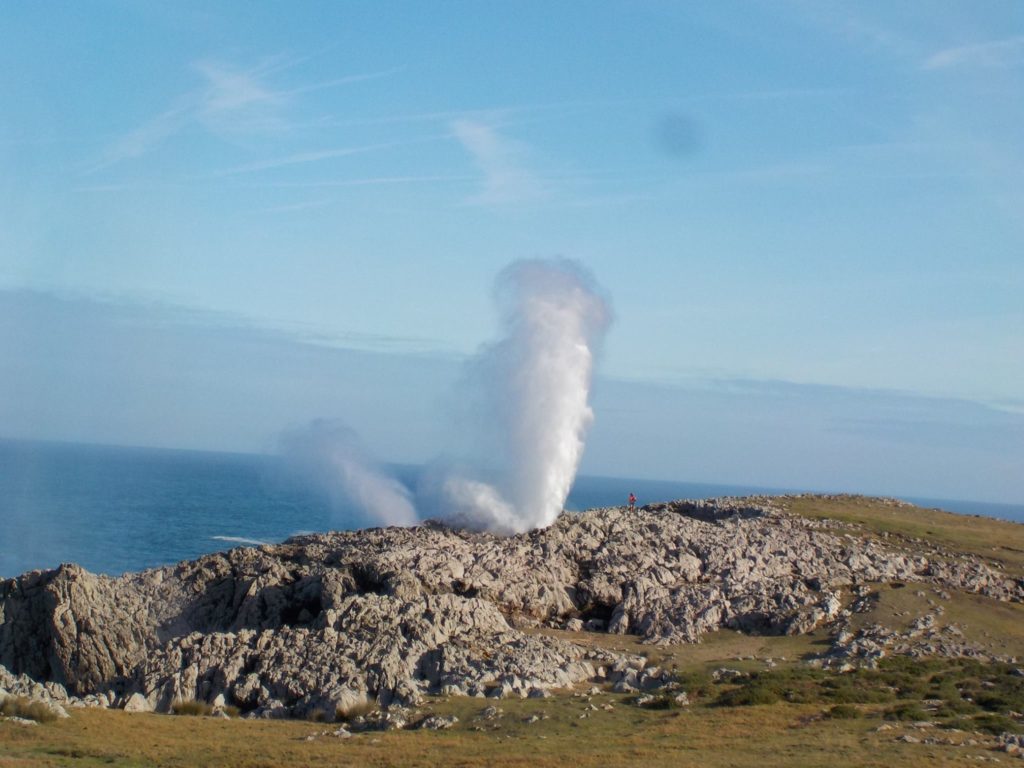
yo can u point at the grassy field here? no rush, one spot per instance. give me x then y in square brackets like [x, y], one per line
[778, 734]
[995, 540]
[807, 718]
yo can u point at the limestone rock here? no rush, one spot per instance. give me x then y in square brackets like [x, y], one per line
[437, 722]
[333, 623]
[137, 703]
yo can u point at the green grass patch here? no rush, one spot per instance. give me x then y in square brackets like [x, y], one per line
[906, 710]
[975, 695]
[995, 724]
[996, 539]
[749, 695]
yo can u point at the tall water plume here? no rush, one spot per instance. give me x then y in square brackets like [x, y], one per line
[531, 391]
[534, 386]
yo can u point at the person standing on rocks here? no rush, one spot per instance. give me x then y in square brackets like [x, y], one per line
[632, 502]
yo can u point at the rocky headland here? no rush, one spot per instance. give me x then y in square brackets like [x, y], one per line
[333, 622]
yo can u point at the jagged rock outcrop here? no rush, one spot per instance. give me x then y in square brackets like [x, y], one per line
[327, 622]
[52, 695]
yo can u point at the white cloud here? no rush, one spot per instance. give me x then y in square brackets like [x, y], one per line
[229, 101]
[1007, 52]
[230, 95]
[304, 157]
[144, 138]
[500, 160]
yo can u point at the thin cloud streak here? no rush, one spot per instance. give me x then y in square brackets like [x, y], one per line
[348, 80]
[293, 207]
[230, 101]
[369, 181]
[499, 159]
[304, 157]
[848, 22]
[323, 154]
[1007, 52]
[143, 139]
[229, 91]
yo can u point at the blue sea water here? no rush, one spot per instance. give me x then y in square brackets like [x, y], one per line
[114, 509]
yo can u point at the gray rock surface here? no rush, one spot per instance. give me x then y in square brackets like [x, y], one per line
[137, 703]
[334, 622]
[53, 696]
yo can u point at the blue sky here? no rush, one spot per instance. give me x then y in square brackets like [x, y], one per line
[825, 199]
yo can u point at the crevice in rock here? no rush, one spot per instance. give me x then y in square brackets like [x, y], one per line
[598, 611]
[368, 581]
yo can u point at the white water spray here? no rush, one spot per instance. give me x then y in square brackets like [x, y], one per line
[535, 390]
[329, 456]
[532, 387]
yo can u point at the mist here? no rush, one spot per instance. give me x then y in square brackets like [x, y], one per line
[531, 391]
[329, 456]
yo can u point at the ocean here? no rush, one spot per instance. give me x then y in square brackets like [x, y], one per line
[114, 509]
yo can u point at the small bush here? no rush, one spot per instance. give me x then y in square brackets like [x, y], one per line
[853, 690]
[993, 702]
[958, 724]
[843, 712]
[663, 701]
[748, 695]
[191, 708]
[19, 706]
[994, 724]
[906, 711]
[964, 687]
[955, 707]
[943, 690]
[698, 685]
[232, 711]
[346, 714]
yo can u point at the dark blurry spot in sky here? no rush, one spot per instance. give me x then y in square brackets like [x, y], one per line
[677, 135]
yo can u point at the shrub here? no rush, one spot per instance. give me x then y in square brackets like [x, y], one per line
[345, 714]
[906, 711]
[748, 695]
[993, 702]
[855, 690]
[19, 706]
[663, 701]
[843, 712]
[994, 724]
[698, 685]
[954, 707]
[191, 708]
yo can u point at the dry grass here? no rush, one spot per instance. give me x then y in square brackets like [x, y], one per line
[992, 539]
[191, 708]
[19, 706]
[764, 736]
[346, 714]
[740, 650]
[996, 627]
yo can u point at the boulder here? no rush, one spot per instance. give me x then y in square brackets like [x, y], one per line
[437, 722]
[137, 703]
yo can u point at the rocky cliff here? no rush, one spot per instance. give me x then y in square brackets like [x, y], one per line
[326, 622]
